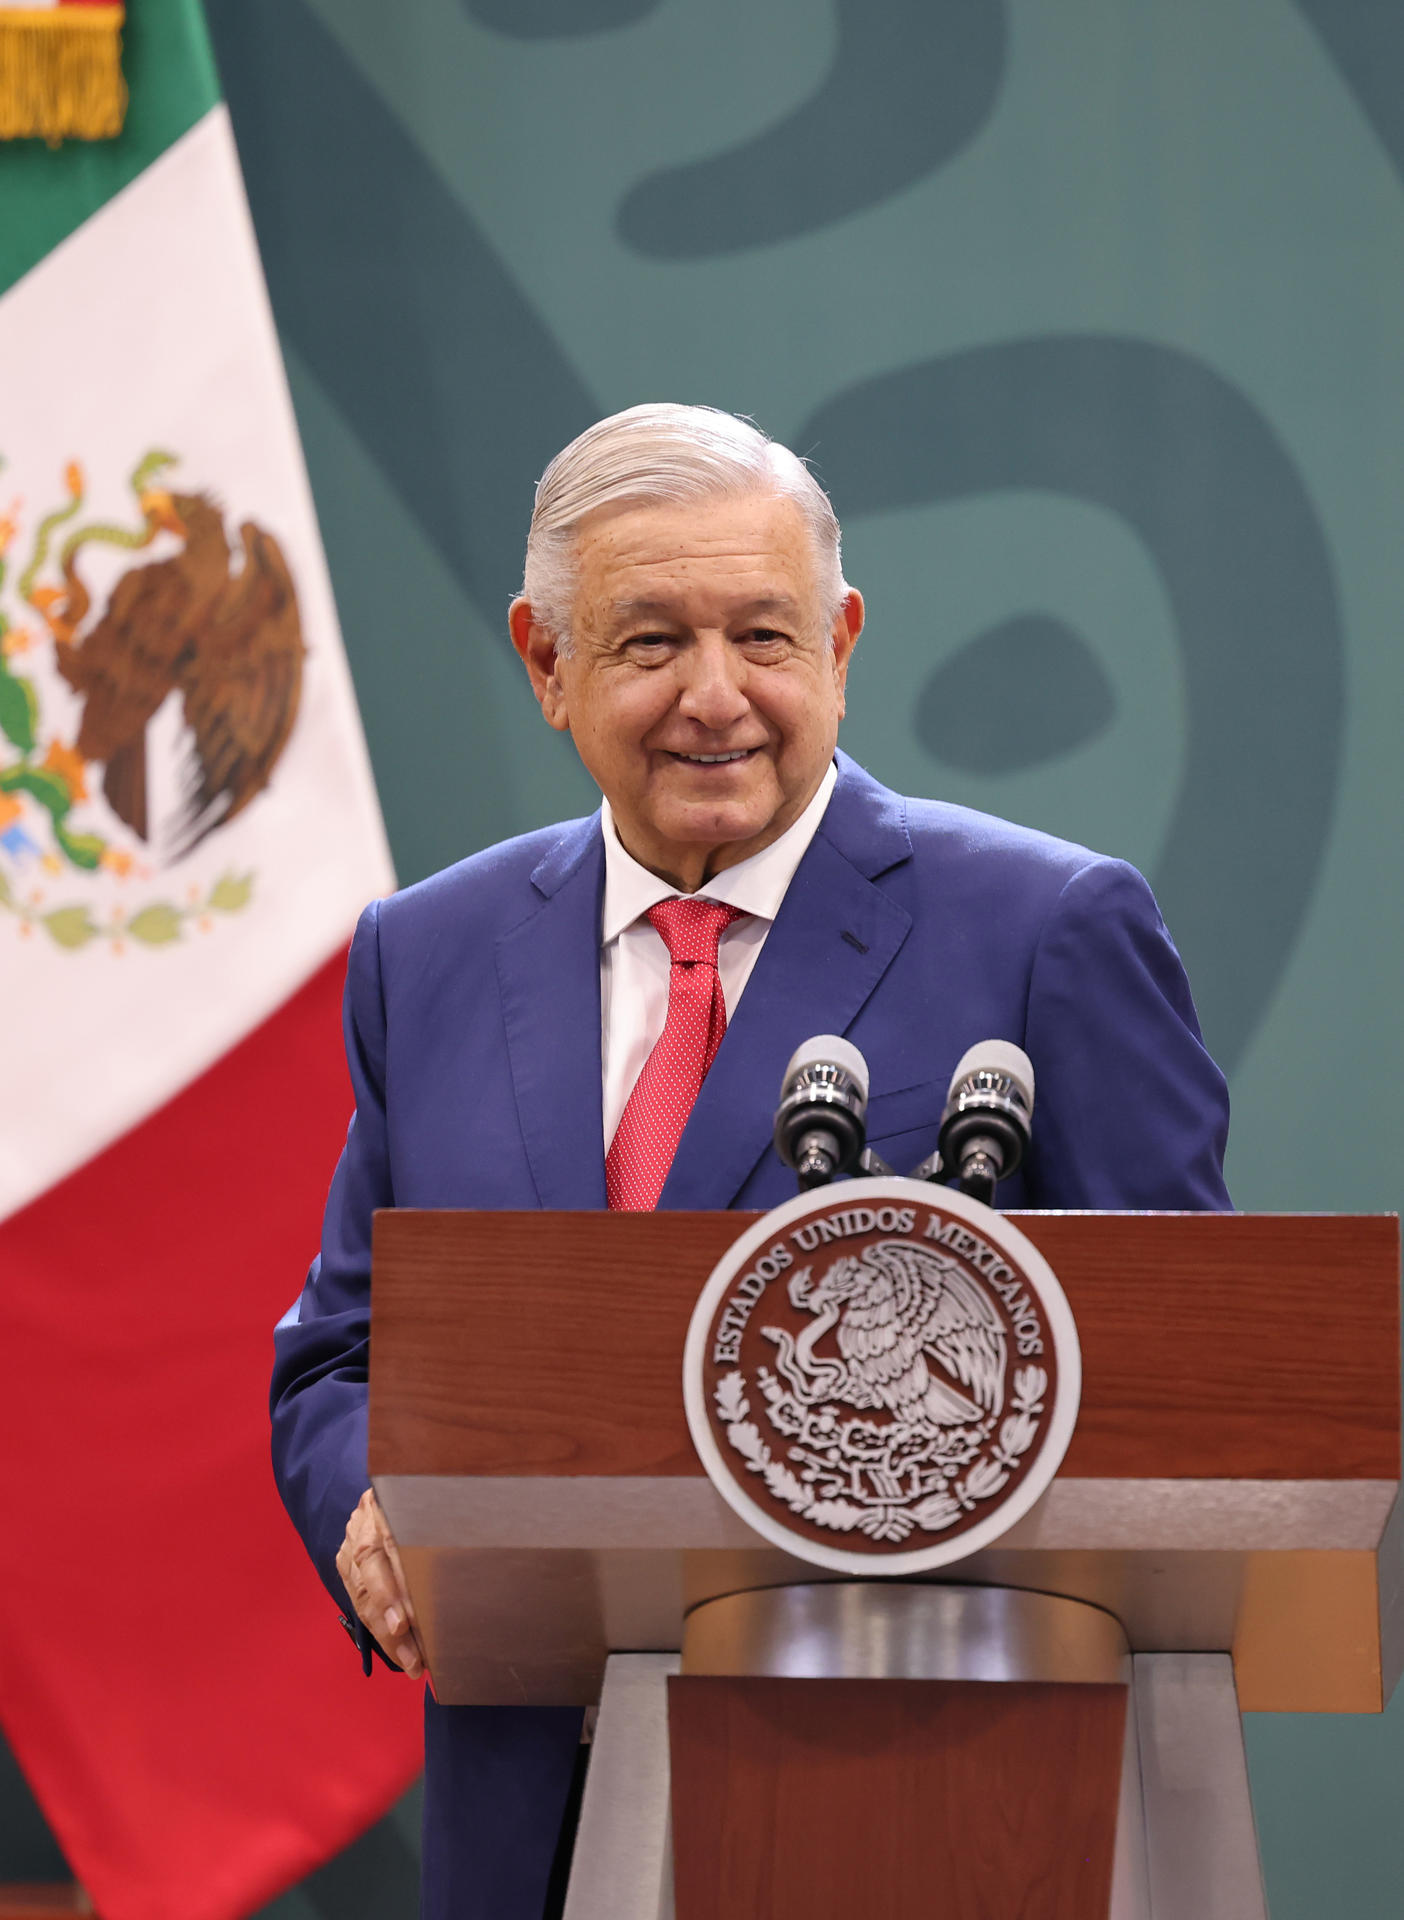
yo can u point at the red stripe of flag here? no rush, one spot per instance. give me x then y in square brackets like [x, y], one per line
[174, 1682]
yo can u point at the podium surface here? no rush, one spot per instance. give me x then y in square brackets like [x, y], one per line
[1231, 1486]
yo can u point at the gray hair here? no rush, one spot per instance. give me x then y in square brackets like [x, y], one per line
[663, 454]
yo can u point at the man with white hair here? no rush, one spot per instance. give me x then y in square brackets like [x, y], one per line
[598, 1014]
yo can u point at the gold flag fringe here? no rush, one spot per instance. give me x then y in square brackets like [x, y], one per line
[61, 74]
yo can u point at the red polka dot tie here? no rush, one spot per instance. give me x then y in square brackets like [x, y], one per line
[648, 1134]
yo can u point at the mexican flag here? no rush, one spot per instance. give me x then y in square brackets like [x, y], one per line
[188, 830]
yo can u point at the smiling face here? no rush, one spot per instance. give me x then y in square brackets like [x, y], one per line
[705, 682]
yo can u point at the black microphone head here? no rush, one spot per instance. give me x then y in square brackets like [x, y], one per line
[989, 1112]
[993, 1068]
[820, 1124]
[830, 1062]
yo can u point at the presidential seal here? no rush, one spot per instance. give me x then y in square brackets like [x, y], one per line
[882, 1376]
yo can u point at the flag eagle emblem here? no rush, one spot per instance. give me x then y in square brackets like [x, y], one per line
[197, 627]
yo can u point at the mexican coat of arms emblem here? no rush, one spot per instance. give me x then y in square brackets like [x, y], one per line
[882, 1376]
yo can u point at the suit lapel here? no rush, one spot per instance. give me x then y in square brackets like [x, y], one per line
[548, 971]
[835, 936]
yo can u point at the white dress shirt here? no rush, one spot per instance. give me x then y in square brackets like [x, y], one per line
[634, 963]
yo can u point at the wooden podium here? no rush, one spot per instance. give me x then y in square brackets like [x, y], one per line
[1227, 1515]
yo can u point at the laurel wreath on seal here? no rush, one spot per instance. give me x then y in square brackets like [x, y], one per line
[823, 1506]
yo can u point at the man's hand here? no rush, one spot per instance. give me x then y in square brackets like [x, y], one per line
[369, 1565]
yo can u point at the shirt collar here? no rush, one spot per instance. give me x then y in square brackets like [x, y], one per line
[755, 885]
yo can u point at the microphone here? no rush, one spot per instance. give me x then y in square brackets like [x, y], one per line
[820, 1124]
[989, 1110]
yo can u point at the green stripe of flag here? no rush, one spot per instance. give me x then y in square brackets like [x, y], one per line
[45, 194]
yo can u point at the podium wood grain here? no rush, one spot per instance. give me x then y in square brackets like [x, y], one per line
[1236, 1346]
[826, 1799]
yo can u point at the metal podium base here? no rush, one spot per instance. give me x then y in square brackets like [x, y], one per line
[888, 1630]
[1186, 1846]
[623, 1865]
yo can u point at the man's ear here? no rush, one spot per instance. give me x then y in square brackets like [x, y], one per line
[537, 648]
[848, 624]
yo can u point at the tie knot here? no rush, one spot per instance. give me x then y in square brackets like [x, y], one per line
[690, 928]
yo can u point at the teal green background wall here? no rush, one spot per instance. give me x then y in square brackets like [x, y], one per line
[1090, 317]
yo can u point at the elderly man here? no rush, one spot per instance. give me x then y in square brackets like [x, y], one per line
[598, 1014]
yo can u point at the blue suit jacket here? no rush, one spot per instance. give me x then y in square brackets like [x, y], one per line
[915, 928]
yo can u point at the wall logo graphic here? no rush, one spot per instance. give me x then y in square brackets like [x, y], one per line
[150, 676]
[882, 1376]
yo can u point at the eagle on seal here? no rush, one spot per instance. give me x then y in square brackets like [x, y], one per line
[910, 1324]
